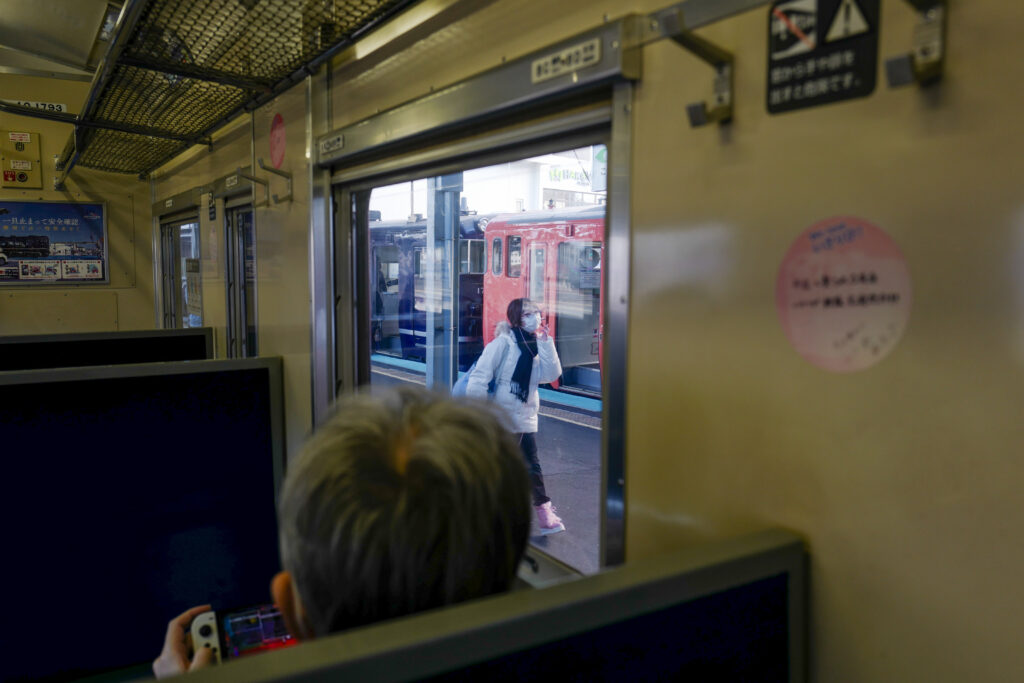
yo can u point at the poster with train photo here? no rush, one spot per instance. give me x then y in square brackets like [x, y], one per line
[47, 243]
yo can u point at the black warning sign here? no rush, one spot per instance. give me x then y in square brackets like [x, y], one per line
[821, 51]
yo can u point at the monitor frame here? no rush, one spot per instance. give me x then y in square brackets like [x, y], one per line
[448, 639]
[273, 364]
[206, 332]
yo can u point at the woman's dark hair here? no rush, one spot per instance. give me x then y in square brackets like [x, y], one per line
[514, 312]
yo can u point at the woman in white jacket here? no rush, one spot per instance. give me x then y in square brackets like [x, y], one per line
[521, 356]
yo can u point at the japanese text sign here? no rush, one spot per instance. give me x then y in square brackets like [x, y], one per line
[821, 51]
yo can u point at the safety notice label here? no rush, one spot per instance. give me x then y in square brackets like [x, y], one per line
[821, 51]
[843, 294]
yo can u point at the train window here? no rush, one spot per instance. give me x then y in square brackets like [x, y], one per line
[477, 256]
[418, 264]
[515, 256]
[496, 256]
[537, 275]
[434, 306]
[472, 257]
[391, 278]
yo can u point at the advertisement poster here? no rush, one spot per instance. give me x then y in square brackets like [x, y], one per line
[46, 243]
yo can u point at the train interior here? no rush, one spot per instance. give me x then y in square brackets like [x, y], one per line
[778, 244]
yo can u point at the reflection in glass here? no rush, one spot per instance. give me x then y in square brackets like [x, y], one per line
[191, 276]
[181, 287]
[249, 291]
[240, 282]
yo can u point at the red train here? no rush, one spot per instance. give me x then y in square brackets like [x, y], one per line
[553, 257]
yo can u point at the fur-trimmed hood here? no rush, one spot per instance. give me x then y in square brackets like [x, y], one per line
[502, 328]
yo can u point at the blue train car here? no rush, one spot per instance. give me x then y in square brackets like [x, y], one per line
[400, 302]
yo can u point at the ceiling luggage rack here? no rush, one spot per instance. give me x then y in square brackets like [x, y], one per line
[175, 72]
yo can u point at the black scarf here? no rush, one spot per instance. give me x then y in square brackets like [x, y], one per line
[527, 343]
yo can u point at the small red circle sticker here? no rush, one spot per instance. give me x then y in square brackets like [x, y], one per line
[277, 141]
[843, 294]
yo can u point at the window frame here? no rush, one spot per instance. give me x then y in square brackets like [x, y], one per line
[513, 129]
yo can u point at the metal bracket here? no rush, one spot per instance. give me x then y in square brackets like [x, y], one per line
[699, 113]
[284, 174]
[924, 65]
[253, 179]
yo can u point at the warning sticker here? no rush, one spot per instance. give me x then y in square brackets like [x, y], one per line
[21, 165]
[843, 294]
[849, 21]
[794, 28]
[821, 51]
[8, 176]
[20, 137]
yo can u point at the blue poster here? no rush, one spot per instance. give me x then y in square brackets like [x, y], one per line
[48, 243]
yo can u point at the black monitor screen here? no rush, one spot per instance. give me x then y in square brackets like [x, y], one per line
[129, 499]
[738, 634]
[111, 348]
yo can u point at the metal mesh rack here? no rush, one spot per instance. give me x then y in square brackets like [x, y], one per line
[177, 71]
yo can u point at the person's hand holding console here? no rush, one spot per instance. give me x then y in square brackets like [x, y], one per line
[175, 658]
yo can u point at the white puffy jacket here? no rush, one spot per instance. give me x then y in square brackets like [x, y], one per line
[546, 368]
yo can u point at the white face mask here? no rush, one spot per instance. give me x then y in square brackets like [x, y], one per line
[531, 322]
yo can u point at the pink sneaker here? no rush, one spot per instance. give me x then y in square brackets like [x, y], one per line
[550, 523]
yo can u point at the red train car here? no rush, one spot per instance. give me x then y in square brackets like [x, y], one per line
[554, 258]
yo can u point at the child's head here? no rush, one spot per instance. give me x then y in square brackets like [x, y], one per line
[401, 502]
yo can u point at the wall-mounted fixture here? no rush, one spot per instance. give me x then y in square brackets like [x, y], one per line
[284, 174]
[259, 181]
[924, 64]
[699, 113]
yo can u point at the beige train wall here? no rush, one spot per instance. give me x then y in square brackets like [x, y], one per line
[126, 303]
[282, 261]
[904, 477]
[282, 244]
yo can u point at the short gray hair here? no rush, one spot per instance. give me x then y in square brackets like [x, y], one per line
[402, 502]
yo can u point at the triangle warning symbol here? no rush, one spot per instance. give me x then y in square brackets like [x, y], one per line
[849, 21]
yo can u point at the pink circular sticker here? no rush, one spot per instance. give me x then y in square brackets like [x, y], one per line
[277, 144]
[843, 294]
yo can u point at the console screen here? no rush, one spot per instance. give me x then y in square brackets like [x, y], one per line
[253, 630]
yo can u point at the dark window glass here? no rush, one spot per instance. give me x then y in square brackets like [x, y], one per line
[515, 256]
[477, 256]
[496, 256]
[472, 257]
